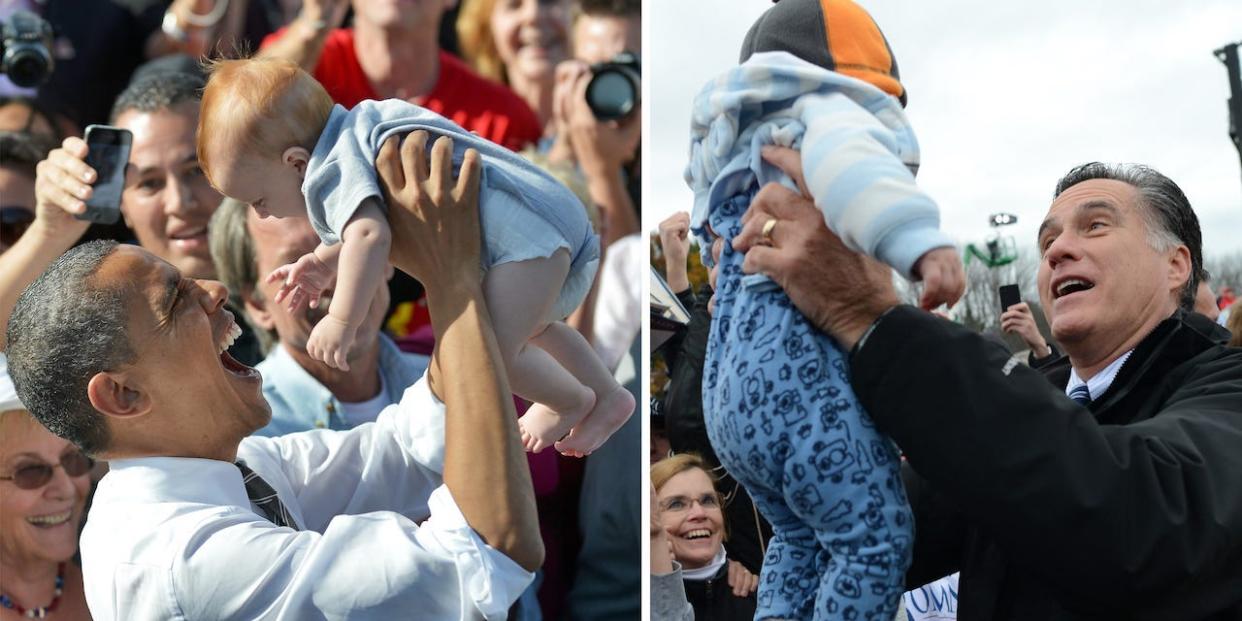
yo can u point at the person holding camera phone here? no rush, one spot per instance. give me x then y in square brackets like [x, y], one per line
[1017, 318]
[166, 200]
[1020, 319]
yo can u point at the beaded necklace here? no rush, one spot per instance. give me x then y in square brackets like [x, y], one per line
[41, 611]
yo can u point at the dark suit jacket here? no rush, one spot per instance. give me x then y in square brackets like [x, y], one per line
[1128, 509]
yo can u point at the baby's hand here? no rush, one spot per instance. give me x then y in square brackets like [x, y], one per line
[944, 280]
[304, 279]
[330, 342]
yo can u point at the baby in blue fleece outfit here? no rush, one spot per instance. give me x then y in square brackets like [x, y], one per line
[270, 136]
[816, 76]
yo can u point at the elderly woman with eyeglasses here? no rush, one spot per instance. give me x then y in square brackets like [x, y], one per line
[689, 509]
[44, 481]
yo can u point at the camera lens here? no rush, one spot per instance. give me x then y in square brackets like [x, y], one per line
[613, 91]
[25, 42]
[611, 95]
[26, 68]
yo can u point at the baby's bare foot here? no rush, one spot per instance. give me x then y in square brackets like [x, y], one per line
[610, 412]
[542, 426]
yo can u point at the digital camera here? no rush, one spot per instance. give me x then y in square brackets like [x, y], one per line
[615, 87]
[25, 49]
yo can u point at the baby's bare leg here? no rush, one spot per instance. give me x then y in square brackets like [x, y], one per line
[520, 296]
[613, 403]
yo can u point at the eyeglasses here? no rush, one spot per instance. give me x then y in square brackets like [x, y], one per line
[34, 476]
[681, 504]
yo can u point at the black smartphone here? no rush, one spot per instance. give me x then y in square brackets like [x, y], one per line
[108, 154]
[1009, 295]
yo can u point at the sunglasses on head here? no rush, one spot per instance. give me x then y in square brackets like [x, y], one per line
[34, 476]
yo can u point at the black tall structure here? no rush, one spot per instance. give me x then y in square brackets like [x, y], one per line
[1229, 56]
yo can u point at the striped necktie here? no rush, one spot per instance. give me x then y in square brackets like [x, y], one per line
[1081, 394]
[265, 498]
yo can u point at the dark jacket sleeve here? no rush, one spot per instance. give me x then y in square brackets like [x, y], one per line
[672, 348]
[940, 532]
[1142, 511]
[683, 403]
[1039, 363]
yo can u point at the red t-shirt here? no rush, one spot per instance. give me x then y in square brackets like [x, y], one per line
[482, 106]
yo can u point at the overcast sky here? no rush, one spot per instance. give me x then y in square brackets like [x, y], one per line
[1005, 97]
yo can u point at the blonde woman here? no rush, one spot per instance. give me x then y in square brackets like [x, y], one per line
[517, 43]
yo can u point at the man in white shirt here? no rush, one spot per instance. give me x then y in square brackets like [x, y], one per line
[304, 393]
[1115, 492]
[121, 354]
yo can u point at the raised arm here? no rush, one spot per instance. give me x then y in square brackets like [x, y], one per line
[302, 42]
[62, 182]
[1103, 514]
[856, 167]
[435, 238]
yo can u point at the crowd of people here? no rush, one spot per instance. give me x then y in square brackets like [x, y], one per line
[365, 342]
[907, 466]
[171, 410]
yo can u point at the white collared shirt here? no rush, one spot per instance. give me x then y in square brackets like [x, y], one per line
[1100, 381]
[177, 538]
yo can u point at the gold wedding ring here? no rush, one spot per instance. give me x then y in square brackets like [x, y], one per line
[767, 230]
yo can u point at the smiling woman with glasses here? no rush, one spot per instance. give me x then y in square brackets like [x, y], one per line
[691, 512]
[36, 475]
[44, 481]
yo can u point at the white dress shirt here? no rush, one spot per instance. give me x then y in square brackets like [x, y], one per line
[177, 538]
[1100, 381]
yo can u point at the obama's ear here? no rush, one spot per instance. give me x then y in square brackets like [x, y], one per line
[114, 394]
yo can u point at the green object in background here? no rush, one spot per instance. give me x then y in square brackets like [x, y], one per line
[996, 252]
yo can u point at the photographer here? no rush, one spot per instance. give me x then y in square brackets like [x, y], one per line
[605, 150]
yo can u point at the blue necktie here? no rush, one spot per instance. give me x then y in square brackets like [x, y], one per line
[1081, 394]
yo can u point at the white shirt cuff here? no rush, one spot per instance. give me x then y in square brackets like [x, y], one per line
[486, 577]
[423, 419]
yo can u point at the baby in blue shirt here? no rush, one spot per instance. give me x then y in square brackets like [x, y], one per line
[270, 136]
[816, 76]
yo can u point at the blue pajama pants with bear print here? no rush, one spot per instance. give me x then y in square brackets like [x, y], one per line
[784, 421]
